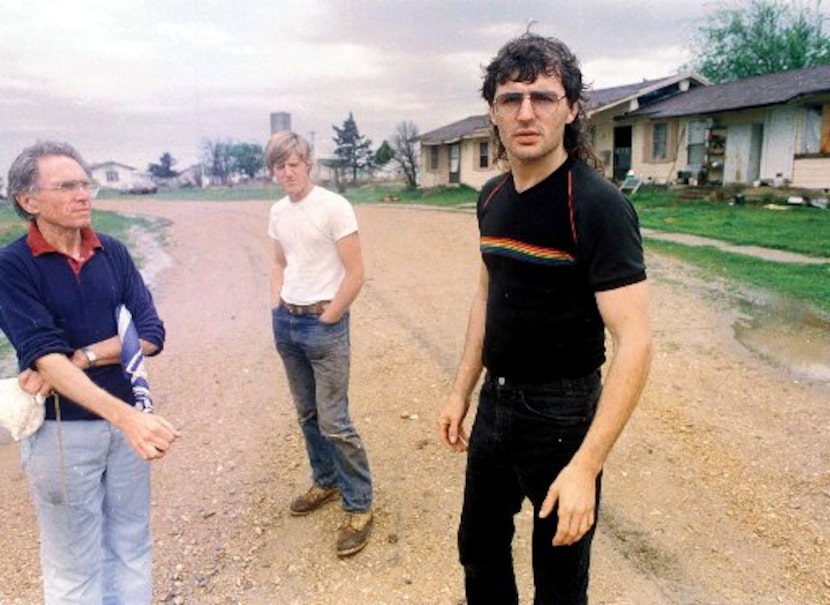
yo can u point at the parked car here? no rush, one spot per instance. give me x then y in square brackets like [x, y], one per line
[140, 188]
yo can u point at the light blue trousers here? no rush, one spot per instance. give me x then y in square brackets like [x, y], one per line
[92, 497]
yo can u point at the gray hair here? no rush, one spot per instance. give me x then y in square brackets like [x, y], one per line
[23, 174]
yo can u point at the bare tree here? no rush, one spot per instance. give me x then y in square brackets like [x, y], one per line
[405, 145]
[216, 156]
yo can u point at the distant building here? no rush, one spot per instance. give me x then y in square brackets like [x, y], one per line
[113, 175]
[280, 120]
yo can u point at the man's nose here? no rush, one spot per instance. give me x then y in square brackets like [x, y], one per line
[526, 111]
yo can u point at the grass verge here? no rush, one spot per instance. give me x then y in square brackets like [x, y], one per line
[809, 284]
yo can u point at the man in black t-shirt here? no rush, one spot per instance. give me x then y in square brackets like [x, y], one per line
[562, 262]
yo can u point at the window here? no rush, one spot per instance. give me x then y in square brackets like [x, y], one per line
[433, 158]
[659, 141]
[112, 176]
[811, 137]
[815, 137]
[484, 154]
[696, 145]
[455, 163]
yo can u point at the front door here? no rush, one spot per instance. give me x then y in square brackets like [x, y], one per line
[455, 163]
[622, 152]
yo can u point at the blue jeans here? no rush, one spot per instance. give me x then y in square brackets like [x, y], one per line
[523, 435]
[93, 511]
[316, 360]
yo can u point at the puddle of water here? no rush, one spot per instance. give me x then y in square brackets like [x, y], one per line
[787, 335]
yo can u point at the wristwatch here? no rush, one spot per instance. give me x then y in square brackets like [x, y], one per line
[91, 357]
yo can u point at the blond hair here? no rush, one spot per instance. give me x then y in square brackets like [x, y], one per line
[282, 144]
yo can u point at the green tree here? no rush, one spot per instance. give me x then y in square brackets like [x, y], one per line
[762, 37]
[384, 154]
[353, 150]
[164, 169]
[405, 145]
[246, 158]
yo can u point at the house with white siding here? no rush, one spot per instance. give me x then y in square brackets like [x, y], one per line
[772, 129]
[114, 175]
[462, 152]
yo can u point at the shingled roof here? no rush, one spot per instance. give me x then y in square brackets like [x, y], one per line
[603, 98]
[470, 126]
[644, 92]
[773, 89]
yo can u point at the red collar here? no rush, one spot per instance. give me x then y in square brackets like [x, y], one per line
[38, 245]
[89, 244]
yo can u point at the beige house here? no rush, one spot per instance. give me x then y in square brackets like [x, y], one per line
[772, 129]
[459, 153]
[113, 175]
[462, 152]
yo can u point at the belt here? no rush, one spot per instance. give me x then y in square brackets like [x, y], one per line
[508, 383]
[312, 309]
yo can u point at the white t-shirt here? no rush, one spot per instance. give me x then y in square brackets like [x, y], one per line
[308, 232]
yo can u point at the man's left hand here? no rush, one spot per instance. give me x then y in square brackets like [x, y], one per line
[574, 490]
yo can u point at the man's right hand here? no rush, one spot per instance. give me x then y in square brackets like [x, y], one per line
[150, 435]
[451, 423]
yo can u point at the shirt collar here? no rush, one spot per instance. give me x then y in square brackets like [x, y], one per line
[38, 245]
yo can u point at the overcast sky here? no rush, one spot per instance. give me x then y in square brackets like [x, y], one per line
[127, 80]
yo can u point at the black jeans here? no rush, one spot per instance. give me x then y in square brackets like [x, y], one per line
[522, 437]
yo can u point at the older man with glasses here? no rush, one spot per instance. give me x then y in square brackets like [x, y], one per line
[88, 464]
[562, 261]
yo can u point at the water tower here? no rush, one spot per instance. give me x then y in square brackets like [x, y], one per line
[280, 120]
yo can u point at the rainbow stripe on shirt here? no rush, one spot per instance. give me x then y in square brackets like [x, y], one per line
[524, 252]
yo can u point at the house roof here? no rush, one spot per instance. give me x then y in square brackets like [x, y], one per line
[773, 89]
[109, 163]
[598, 100]
[644, 92]
[471, 126]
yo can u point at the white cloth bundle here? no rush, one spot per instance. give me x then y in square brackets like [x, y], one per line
[21, 414]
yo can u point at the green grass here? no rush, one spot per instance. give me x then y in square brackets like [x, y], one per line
[12, 226]
[360, 194]
[794, 228]
[395, 193]
[242, 193]
[807, 283]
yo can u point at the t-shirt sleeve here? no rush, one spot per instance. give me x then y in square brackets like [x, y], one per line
[343, 220]
[610, 244]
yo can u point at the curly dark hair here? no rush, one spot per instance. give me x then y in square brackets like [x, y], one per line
[523, 59]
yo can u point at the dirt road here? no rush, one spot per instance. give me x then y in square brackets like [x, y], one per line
[718, 491]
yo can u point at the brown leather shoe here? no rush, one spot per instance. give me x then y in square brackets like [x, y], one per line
[354, 533]
[313, 499]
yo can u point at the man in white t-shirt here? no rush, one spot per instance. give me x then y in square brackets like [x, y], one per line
[316, 275]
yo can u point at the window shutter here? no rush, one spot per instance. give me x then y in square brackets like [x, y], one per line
[671, 141]
[648, 141]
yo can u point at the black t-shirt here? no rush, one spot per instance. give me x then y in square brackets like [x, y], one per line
[547, 251]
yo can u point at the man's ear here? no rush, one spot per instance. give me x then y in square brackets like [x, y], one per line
[27, 201]
[572, 113]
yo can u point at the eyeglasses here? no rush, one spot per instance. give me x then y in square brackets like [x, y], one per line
[72, 187]
[508, 104]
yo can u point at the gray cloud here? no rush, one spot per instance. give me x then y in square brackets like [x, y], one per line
[135, 80]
